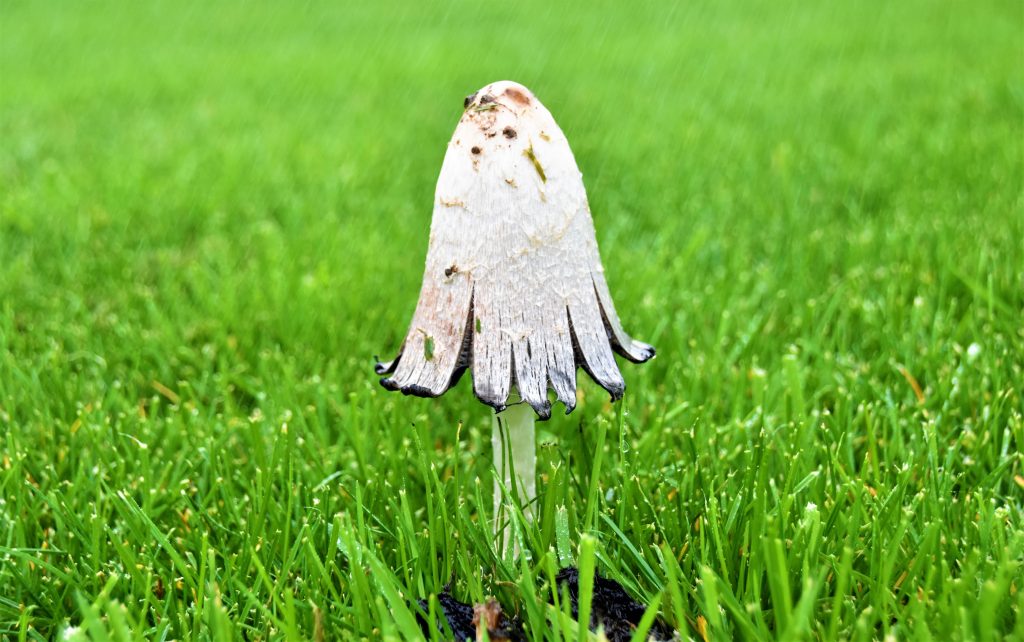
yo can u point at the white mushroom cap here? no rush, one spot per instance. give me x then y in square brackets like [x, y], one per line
[513, 288]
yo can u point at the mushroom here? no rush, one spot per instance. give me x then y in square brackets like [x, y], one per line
[514, 288]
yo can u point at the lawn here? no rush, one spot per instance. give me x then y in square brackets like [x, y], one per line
[214, 216]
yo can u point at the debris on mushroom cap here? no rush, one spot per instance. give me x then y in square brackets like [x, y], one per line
[529, 303]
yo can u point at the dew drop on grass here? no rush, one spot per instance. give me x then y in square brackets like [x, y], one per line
[973, 351]
[562, 537]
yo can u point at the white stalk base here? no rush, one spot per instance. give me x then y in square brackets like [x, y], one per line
[514, 446]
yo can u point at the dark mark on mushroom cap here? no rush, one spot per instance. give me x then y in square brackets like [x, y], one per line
[509, 133]
[469, 100]
[475, 150]
[517, 96]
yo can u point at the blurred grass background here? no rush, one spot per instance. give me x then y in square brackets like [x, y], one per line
[212, 217]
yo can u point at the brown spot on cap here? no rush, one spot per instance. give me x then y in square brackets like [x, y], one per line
[469, 99]
[517, 96]
[509, 132]
[475, 150]
[486, 98]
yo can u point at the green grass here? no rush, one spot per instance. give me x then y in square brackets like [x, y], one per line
[212, 217]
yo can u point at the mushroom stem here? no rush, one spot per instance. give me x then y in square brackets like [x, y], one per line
[514, 447]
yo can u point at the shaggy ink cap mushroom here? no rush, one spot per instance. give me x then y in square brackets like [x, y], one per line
[514, 288]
